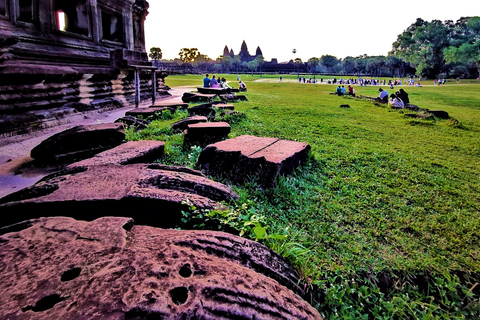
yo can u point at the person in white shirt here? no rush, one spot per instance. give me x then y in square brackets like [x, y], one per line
[383, 96]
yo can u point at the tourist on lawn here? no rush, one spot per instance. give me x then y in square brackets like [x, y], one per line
[383, 96]
[395, 102]
[242, 86]
[403, 95]
[206, 81]
[214, 82]
[339, 91]
[351, 91]
[224, 85]
[343, 90]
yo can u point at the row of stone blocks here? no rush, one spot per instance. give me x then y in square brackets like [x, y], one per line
[71, 269]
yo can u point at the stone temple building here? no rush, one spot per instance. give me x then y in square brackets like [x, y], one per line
[59, 57]
[244, 53]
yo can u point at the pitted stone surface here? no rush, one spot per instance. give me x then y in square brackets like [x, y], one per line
[247, 156]
[143, 151]
[79, 143]
[151, 194]
[111, 268]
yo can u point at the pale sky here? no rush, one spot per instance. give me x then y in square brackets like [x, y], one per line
[313, 28]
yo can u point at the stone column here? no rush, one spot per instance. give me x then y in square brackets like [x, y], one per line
[139, 14]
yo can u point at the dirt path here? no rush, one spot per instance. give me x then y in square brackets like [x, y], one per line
[15, 173]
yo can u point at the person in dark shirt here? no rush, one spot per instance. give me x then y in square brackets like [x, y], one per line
[403, 95]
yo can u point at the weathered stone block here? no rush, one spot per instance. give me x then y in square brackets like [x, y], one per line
[212, 90]
[206, 132]
[205, 110]
[233, 97]
[247, 156]
[138, 124]
[197, 97]
[145, 113]
[183, 124]
[78, 143]
[112, 268]
[439, 114]
[143, 151]
[151, 194]
[174, 105]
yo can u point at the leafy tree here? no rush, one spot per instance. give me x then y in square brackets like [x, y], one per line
[422, 45]
[260, 60]
[329, 61]
[313, 62]
[349, 65]
[188, 54]
[237, 61]
[465, 42]
[155, 53]
[252, 65]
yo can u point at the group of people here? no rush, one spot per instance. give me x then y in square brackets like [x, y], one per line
[342, 91]
[221, 83]
[398, 100]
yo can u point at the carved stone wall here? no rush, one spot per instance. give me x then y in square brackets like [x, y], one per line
[59, 57]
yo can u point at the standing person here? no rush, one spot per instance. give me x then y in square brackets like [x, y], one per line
[206, 81]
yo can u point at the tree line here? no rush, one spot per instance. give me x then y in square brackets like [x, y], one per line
[432, 49]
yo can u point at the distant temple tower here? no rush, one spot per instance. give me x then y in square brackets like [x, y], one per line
[244, 54]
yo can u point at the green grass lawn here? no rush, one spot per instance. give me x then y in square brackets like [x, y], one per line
[383, 221]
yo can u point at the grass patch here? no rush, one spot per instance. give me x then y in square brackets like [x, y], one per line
[382, 222]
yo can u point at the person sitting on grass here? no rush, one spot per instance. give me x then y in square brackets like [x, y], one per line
[339, 91]
[395, 102]
[403, 96]
[351, 91]
[383, 96]
[242, 86]
[224, 85]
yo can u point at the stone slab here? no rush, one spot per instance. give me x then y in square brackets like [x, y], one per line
[244, 157]
[148, 112]
[224, 106]
[233, 97]
[183, 124]
[152, 194]
[144, 151]
[197, 97]
[113, 268]
[78, 143]
[211, 90]
[205, 133]
[175, 105]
